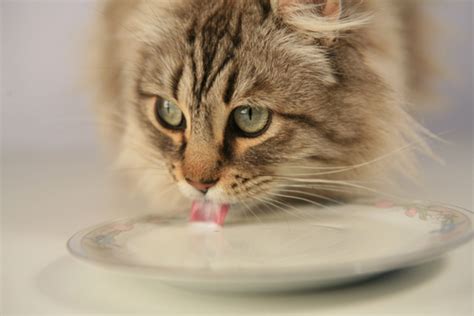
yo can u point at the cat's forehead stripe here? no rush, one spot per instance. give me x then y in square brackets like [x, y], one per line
[217, 39]
[266, 8]
[230, 88]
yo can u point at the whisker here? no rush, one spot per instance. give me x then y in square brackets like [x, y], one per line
[249, 209]
[154, 170]
[285, 177]
[340, 169]
[272, 211]
[313, 195]
[343, 183]
[300, 199]
[312, 167]
[296, 215]
[322, 187]
[273, 201]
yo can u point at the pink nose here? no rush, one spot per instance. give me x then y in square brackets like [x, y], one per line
[202, 185]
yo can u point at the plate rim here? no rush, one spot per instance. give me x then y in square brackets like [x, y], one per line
[235, 275]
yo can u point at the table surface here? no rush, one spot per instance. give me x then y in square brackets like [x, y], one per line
[46, 198]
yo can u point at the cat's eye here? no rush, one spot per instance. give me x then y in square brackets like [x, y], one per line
[169, 114]
[252, 121]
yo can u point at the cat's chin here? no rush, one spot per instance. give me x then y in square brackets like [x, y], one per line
[217, 195]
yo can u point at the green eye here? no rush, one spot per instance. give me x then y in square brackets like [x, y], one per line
[251, 120]
[169, 115]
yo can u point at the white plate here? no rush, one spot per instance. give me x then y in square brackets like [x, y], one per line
[311, 248]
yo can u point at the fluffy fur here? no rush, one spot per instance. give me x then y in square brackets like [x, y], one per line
[337, 84]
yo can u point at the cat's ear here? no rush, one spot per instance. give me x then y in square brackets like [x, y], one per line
[325, 20]
[330, 9]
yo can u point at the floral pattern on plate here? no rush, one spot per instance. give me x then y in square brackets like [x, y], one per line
[450, 222]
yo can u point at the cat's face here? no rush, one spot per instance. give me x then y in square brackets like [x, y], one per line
[233, 101]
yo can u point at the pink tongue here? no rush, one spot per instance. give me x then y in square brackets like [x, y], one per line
[206, 211]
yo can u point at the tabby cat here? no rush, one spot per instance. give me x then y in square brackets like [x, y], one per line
[252, 102]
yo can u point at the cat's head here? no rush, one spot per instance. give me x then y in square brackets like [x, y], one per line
[237, 99]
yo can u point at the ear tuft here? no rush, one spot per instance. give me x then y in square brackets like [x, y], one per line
[325, 8]
[322, 19]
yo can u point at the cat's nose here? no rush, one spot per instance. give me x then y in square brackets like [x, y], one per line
[202, 185]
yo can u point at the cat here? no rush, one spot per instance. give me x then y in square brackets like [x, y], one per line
[256, 102]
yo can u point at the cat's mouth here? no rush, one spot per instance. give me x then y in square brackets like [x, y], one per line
[209, 212]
